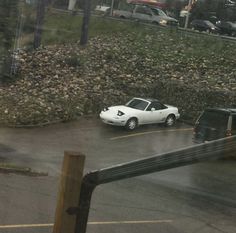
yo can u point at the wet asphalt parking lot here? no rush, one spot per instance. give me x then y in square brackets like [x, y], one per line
[196, 198]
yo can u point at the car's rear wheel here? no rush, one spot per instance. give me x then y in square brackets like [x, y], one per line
[233, 34]
[170, 120]
[155, 23]
[131, 124]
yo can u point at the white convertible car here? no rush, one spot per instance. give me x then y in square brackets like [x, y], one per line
[140, 111]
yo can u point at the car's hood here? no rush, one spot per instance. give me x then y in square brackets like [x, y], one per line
[122, 108]
[167, 18]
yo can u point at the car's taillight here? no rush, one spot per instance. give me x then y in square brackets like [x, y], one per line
[228, 133]
[195, 127]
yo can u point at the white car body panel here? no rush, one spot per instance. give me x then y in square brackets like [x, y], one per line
[111, 116]
[145, 15]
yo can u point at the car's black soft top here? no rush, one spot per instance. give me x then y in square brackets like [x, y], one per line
[148, 99]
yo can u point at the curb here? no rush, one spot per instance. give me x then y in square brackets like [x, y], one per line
[46, 123]
[7, 169]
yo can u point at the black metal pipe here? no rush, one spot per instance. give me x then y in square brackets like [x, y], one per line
[89, 182]
[204, 152]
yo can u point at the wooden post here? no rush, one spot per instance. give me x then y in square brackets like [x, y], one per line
[69, 191]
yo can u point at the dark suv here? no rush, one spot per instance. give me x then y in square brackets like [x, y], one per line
[204, 26]
[215, 123]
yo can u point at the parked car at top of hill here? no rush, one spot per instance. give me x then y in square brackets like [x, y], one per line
[140, 111]
[230, 3]
[102, 9]
[146, 14]
[227, 28]
[204, 26]
[158, 4]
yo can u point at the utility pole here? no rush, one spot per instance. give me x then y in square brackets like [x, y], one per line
[187, 17]
[39, 23]
[112, 6]
[85, 23]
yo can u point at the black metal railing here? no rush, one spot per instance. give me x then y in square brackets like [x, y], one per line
[194, 154]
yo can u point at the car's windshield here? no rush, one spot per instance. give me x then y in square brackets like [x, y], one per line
[209, 23]
[214, 119]
[158, 12]
[137, 104]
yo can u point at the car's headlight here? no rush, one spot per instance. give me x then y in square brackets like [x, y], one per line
[105, 109]
[120, 113]
[163, 22]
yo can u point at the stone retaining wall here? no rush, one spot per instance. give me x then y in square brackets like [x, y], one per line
[63, 82]
[191, 100]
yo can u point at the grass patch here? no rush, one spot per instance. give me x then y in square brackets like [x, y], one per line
[61, 28]
[66, 28]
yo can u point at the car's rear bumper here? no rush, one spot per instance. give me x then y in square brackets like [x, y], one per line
[198, 140]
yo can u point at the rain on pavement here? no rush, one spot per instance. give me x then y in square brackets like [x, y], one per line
[196, 198]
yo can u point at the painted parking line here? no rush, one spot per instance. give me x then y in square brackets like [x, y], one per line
[26, 226]
[131, 222]
[89, 223]
[150, 132]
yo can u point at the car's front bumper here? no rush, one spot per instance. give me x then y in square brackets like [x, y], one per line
[112, 120]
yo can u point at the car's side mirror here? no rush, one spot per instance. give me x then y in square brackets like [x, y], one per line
[153, 109]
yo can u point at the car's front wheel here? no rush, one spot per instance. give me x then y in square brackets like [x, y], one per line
[131, 124]
[170, 120]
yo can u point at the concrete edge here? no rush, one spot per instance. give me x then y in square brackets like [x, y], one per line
[9, 168]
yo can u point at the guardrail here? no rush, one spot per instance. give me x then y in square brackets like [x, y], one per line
[217, 36]
[195, 154]
[189, 32]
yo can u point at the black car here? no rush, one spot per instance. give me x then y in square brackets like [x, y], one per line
[215, 123]
[204, 25]
[227, 28]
